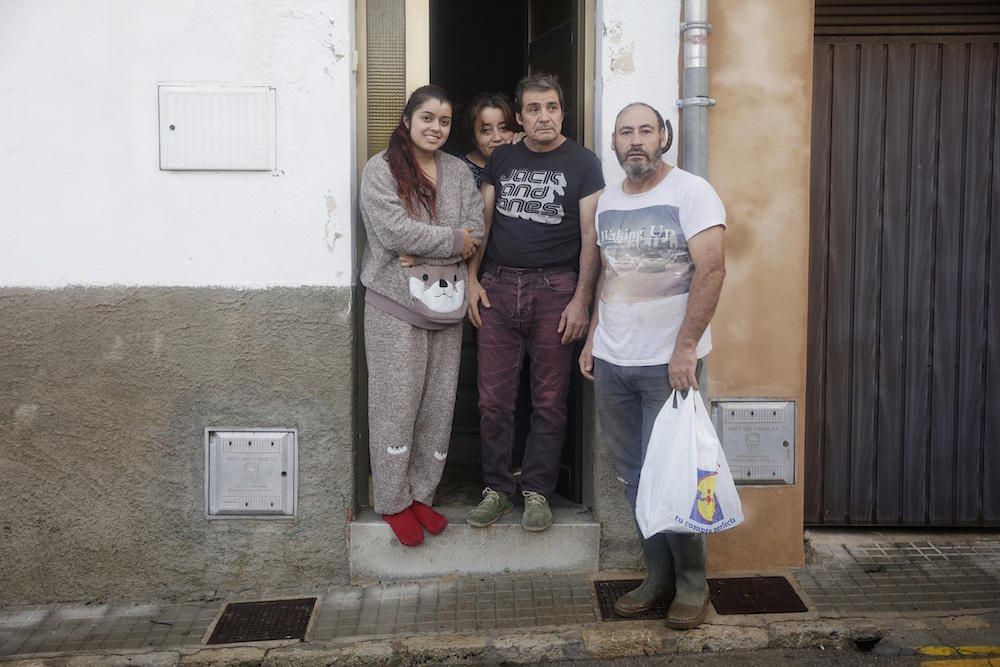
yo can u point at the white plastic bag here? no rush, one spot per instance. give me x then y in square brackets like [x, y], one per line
[685, 485]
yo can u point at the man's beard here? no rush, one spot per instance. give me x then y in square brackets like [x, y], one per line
[640, 169]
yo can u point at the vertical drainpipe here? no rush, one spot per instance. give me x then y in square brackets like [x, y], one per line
[695, 103]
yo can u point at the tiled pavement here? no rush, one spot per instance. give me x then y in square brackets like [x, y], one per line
[844, 578]
[464, 605]
[904, 576]
[458, 605]
[102, 627]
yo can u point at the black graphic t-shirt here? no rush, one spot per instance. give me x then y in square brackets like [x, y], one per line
[536, 217]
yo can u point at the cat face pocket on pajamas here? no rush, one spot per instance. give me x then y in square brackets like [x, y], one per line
[439, 291]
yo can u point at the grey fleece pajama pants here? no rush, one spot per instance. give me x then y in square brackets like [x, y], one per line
[412, 379]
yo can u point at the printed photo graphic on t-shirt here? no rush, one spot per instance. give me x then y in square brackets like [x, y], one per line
[645, 254]
[531, 195]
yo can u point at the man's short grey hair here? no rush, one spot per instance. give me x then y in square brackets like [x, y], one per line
[538, 82]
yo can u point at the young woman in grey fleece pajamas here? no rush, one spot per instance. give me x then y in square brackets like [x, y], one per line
[424, 217]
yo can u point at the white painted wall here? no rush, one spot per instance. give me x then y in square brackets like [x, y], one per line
[637, 56]
[82, 200]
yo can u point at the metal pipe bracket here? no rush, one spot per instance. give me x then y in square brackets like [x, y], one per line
[696, 102]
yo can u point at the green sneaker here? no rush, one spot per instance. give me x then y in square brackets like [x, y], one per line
[489, 510]
[537, 515]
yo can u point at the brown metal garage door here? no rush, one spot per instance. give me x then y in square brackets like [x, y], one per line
[903, 419]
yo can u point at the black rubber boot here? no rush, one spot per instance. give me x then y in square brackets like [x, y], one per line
[690, 605]
[659, 582]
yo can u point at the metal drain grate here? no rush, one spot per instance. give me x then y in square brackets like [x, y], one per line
[263, 621]
[610, 590]
[754, 595]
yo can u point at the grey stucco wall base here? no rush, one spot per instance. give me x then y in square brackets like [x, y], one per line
[104, 396]
[619, 541]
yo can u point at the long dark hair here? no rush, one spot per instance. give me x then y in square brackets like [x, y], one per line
[487, 101]
[412, 185]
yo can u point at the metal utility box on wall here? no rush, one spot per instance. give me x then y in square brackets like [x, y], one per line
[758, 438]
[217, 128]
[251, 473]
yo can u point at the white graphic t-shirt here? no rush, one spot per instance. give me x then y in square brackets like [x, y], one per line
[647, 268]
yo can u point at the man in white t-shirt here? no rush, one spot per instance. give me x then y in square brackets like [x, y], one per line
[661, 238]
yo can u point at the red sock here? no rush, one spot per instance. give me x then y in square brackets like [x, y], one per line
[406, 527]
[433, 521]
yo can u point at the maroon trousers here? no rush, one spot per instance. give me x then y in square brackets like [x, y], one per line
[524, 319]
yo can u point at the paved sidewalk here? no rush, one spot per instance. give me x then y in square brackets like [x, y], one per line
[917, 592]
[852, 573]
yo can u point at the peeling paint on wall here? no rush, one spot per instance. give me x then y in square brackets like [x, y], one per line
[622, 63]
[620, 55]
[613, 31]
[331, 233]
[338, 53]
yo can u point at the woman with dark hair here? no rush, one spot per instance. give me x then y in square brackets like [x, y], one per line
[416, 201]
[488, 122]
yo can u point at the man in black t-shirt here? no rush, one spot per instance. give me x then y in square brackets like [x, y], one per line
[541, 263]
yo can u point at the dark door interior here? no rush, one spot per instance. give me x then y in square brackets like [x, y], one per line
[903, 426]
[478, 47]
[552, 47]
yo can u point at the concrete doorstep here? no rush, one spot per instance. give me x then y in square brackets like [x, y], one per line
[572, 544]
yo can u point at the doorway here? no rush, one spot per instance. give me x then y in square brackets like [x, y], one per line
[468, 48]
[477, 47]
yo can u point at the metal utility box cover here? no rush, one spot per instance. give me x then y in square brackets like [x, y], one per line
[217, 128]
[251, 473]
[758, 438]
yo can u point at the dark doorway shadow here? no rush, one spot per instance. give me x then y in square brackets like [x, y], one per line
[477, 47]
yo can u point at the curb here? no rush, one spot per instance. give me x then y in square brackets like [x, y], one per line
[597, 641]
